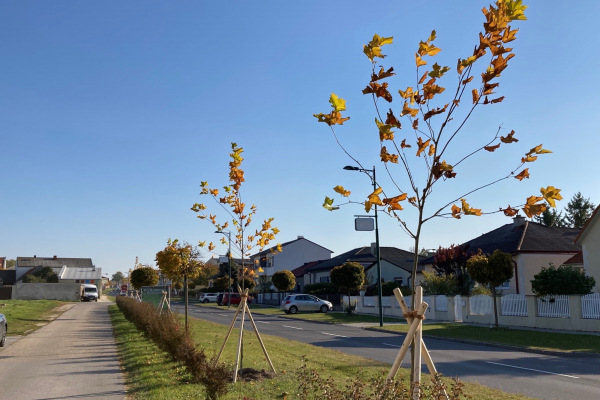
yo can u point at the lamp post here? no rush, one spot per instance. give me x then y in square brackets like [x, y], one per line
[228, 233]
[351, 168]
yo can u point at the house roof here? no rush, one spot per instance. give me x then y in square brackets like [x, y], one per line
[80, 273]
[54, 262]
[8, 276]
[588, 224]
[524, 237]
[576, 259]
[363, 255]
[265, 252]
[301, 270]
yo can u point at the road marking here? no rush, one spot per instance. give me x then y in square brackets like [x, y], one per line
[263, 322]
[534, 370]
[224, 315]
[332, 334]
[391, 345]
[292, 327]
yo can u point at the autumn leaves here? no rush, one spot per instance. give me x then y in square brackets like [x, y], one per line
[430, 122]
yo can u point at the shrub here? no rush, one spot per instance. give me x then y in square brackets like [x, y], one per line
[561, 280]
[284, 280]
[320, 288]
[435, 285]
[313, 386]
[170, 336]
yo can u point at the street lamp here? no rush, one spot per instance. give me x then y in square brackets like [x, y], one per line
[228, 233]
[351, 168]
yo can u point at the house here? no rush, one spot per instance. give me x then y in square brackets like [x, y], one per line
[532, 246]
[396, 265]
[589, 240]
[92, 276]
[293, 254]
[7, 280]
[25, 265]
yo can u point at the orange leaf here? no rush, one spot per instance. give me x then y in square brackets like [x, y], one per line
[382, 74]
[340, 189]
[378, 90]
[509, 211]
[509, 138]
[523, 174]
[415, 124]
[475, 96]
[455, 211]
[387, 157]
[404, 145]
[407, 110]
[528, 159]
[422, 145]
[491, 148]
[431, 149]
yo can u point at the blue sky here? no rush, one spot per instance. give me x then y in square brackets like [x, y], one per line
[113, 112]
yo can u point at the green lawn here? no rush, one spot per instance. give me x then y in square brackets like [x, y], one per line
[150, 373]
[25, 316]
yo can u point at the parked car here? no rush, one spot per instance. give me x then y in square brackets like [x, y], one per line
[208, 297]
[293, 303]
[3, 330]
[235, 299]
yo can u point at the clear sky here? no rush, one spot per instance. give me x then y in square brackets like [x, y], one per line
[113, 112]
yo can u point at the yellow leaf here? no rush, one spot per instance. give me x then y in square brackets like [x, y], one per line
[455, 211]
[328, 204]
[468, 210]
[340, 189]
[387, 157]
[385, 131]
[420, 62]
[211, 246]
[374, 197]
[550, 194]
[202, 244]
[407, 110]
[260, 269]
[432, 149]
[214, 192]
[394, 202]
[337, 103]
[438, 71]
[528, 159]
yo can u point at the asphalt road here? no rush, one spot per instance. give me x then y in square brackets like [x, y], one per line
[541, 376]
[72, 357]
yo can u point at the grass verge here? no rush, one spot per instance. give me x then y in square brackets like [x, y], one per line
[568, 342]
[150, 373]
[25, 316]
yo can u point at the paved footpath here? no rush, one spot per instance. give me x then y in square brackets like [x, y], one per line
[73, 357]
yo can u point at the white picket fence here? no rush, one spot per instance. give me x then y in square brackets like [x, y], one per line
[514, 305]
[553, 306]
[590, 306]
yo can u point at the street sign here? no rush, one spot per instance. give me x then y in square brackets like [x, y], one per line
[364, 224]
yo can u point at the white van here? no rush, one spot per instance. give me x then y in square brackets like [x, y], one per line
[89, 293]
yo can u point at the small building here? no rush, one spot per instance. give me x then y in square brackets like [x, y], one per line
[27, 264]
[90, 276]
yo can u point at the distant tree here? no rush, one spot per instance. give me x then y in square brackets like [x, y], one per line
[348, 277]
[284, 280]
[578, 211]
[10, 264]
[551, 217]
[319, 288]
[180, 261]
[264, 283]
[434, 284]
[222, 283]
[491, 271]
[204, 274]
[118, 277]
[562, 280]
[144, 276]
[453, 261]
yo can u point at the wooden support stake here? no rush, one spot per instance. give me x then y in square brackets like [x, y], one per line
[418, 341]
[260, 341]
[244, 298]
[407, 340]
[229, 331]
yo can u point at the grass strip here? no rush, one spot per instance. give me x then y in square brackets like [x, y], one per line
[25, 316]
[150, 374]
[568, 342]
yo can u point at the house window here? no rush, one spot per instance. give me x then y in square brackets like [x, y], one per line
[399, 281]
[324, 279]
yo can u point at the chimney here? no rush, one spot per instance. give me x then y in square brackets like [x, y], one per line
[54, 257]
[300, 237]
[518, 220]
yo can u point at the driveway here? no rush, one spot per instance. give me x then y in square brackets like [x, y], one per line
[72, 357]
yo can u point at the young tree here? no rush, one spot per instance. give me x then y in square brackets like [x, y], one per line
[562, 280]
[244, 240]
[348, 277]
[179, 261]
[452, 261]
[144, 276]
[204, 274]
[435, 120]
[222, 283]
[284, 280]
[578, 211]
[491, 272]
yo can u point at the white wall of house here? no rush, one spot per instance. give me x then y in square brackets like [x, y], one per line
[389, 273]
[294, 255]
[590, 245]
[530, 264]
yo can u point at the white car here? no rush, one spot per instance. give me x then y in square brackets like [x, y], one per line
[293, 303]
[208, 297]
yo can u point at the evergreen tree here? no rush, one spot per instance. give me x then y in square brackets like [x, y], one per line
[578, 211]
[550, 217]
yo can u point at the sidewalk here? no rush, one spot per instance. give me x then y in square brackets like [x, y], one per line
[73, 356]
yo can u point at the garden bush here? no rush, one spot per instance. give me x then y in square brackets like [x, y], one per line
[170, 336]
